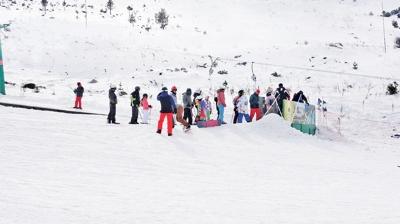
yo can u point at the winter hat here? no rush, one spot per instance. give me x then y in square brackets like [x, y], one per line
[280, 85]
[137, 88]
[241, 92]
[173, 88]
[79, 83]
[164, 88]
[198, 91]
[112, 86]
[258, 91]
[189, 91]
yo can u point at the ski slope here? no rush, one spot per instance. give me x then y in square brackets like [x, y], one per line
[58, 168]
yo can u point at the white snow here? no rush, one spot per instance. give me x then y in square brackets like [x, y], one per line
[61, 168]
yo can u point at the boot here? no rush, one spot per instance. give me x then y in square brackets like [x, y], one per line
[159, 131]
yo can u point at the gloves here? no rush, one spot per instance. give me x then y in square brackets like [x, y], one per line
[175, 110]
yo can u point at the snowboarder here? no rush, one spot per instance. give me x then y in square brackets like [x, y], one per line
[221, 104]
[135, 103]
[188, 105]
[113, 104]
[243, 108]
[79, 94]
[255, 105]
[146, 107]
[300, 97]
[280, 95]
[167, 105]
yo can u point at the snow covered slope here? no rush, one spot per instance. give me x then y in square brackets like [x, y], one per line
[84, 171]
[57, 168]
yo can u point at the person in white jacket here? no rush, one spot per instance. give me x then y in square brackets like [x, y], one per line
[243, 107]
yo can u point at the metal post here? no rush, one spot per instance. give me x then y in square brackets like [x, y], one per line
[2, 84]
[384, 30]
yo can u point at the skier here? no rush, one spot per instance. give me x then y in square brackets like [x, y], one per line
[79, 94]
[299, 97]
[221, 104]
[255, 105]
[167, 110]
[243, 108]
[135, 103]
[188, 105]
[113, 104]
[146, 107]
[235, 108]
[280, 95]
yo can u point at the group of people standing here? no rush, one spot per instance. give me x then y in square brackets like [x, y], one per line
[197, 105]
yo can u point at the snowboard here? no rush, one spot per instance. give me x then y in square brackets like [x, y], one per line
[208, 124]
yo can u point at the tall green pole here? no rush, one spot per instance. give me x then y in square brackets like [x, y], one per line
[2, 85]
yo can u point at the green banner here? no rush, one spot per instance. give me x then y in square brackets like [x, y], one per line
[301, 116]
[2, 84]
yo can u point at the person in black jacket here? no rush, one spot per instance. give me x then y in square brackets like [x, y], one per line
[79, 94]
[113, 105]
[299, 97]
[135, 103]
[280, 95]
[255, 105]
[167, 110]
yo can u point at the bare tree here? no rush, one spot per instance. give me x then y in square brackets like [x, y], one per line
[110, 5]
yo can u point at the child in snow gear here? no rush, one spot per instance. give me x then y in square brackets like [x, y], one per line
[243, 108]
[235, 108]
[255, 105]
[79, 94]
[280, 95]
[113, 105]
[188, 105]
[135, 103]
[167, 105]
[146, 107]
[299, 97]
[221, 104]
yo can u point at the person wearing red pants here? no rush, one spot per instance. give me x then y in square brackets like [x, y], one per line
[255, 105]
[167, 110]
[79, 94]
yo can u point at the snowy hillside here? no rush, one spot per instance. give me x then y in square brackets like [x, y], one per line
[59, 168]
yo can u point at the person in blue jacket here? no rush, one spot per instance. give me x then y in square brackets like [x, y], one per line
[167, 110]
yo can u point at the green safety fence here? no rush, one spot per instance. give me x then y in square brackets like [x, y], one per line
[301, 116]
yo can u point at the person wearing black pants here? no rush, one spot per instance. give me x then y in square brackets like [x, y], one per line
[113, 105]
[135, 103]
[187, 103]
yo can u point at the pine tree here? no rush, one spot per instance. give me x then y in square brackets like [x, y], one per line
[44, 4]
